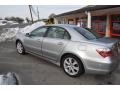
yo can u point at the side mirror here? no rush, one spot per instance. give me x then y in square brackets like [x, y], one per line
[27, 34]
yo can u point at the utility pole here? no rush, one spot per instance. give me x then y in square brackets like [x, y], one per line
[31, 13]
[38, 13]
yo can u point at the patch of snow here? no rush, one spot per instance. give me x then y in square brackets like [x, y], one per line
[8, 79]
[9, 34]
[28, 29]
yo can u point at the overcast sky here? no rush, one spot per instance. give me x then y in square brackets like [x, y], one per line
[44, 10]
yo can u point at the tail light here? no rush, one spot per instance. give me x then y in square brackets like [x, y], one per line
[104, 52]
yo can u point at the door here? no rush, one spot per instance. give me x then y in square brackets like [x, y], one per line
[33, 42]
[54, 42]
[99, 24]
[115, 25]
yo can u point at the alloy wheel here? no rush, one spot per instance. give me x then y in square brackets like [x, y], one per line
[71, 66]
[19, 48]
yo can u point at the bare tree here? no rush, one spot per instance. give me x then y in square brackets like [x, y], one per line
[51, 18]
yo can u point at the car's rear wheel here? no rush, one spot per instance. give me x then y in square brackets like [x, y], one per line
[72, 66]
[20, 48]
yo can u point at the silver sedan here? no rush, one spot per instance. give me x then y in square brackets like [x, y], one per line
[73, 48]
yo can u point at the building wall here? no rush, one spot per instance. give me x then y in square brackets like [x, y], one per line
[102, 24]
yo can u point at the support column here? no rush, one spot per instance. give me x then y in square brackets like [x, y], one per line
[55, 20]
[89, 20]
[74, 20]
[107, 34]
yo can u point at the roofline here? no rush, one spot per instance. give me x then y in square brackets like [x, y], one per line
[88, 8]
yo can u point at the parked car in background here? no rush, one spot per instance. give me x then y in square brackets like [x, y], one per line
[11, 22]
[5, 22]
[73, 48]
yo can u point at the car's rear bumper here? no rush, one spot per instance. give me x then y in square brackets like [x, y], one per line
[101, 67]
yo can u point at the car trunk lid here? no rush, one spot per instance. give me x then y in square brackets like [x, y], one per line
[109, 42]
[112, 43]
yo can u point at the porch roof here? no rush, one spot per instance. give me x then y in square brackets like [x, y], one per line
[88, 8]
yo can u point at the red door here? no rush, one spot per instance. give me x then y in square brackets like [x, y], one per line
[99, 24]
[115, 25]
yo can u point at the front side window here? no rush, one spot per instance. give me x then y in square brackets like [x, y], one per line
[57, 32]
[39, 32]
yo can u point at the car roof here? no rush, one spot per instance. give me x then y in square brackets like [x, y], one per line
[62, 25]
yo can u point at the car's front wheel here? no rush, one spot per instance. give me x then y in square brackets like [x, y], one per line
[72, 66]
[20, 48]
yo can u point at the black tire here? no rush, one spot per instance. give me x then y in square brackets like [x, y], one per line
[80, 65]
[22, 50]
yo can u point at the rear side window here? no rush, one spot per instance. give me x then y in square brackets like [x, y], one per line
[87, 34]
[66, 35]
[57, 32]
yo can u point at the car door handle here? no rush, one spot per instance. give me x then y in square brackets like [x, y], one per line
[60, 43]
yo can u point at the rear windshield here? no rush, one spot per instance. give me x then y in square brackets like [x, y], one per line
[84, 32]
